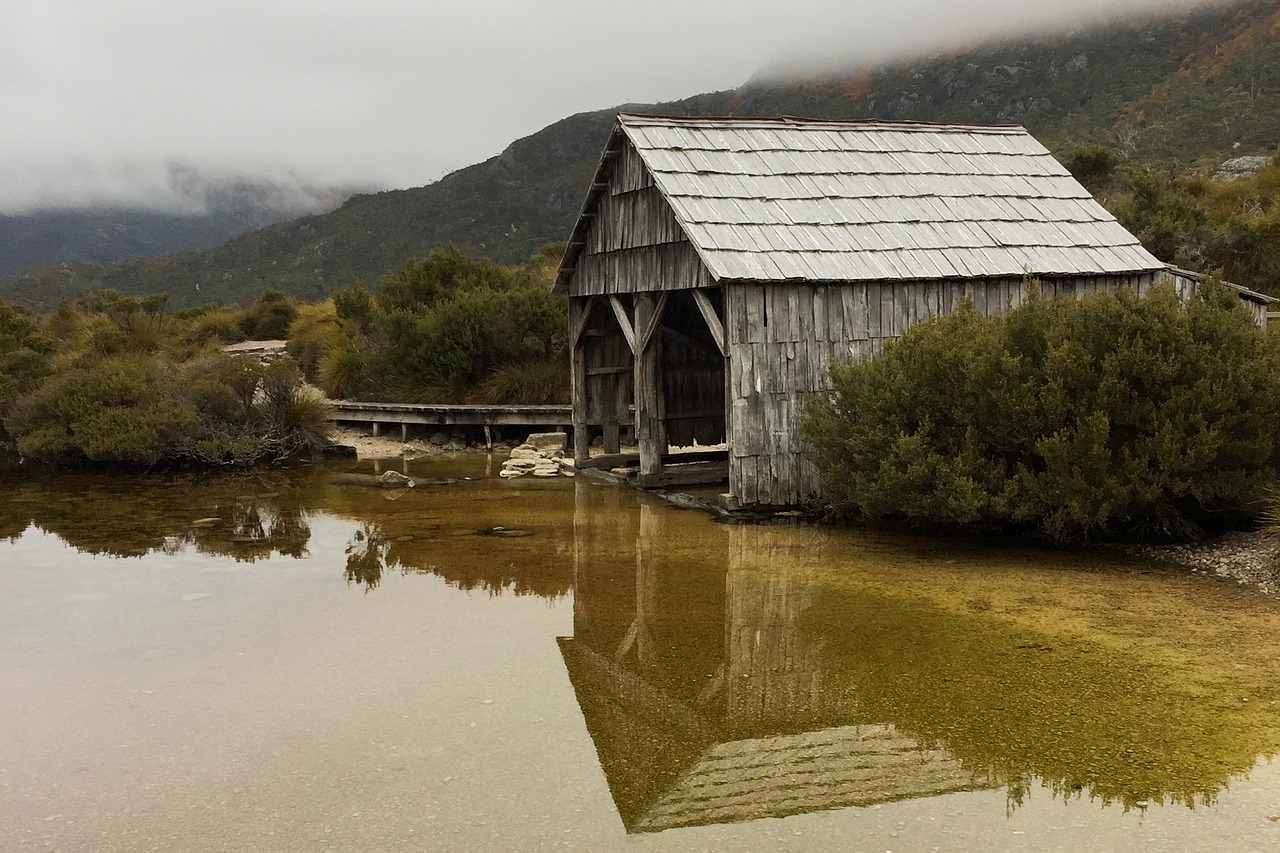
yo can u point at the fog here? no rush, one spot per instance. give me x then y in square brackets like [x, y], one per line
[105, 101]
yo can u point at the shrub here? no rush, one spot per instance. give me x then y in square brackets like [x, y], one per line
[268, 318]
[1108, 415]
[121, 409]
[340, 373]
[314, 333]
[542, 381]
[141, 411]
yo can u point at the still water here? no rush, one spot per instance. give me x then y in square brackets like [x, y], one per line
[290, 662]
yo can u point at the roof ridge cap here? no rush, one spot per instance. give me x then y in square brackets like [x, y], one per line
[800, 122]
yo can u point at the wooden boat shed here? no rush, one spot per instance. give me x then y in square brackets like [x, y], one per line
[720, 264]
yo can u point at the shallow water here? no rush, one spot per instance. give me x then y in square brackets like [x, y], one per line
[280, 662]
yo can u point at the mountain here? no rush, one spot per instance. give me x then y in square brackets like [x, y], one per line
[202, 212]
[1192, 88]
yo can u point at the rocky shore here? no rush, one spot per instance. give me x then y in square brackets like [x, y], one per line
[1251, 558]
[386, 446]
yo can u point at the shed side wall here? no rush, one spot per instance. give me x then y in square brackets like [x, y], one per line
[783, 337]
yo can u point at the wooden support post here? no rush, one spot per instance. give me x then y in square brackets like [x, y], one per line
[608, 405]
[377, 429]
[488, 438]
[651, 425]
[404, 432]
[578, 308]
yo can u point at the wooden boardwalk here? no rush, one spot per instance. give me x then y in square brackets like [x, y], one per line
[490, 418]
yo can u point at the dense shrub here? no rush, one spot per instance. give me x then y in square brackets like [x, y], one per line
[120, 409]
[142, 410]
[268, 317]
[1108, 415]
[446, 328]
[24, 359]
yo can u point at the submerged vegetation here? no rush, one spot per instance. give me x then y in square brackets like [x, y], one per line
[1109, 415]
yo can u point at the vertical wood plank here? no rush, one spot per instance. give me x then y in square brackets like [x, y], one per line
[651, 433]
[578, 383]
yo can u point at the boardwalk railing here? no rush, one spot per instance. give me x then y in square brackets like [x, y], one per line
[427, 414]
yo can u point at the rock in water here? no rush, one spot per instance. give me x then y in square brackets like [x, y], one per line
[394, 480]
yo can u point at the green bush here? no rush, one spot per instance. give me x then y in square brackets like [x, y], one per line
[122, 409]
[142, 410]
[1108, 415]
[542, 381]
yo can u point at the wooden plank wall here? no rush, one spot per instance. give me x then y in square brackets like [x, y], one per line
[774, 673]
[634, 243]
[610, 371]
[783, 337]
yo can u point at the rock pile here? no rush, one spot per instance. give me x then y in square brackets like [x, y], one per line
[540, 456]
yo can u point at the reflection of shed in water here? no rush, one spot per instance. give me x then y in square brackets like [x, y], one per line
[728, 716]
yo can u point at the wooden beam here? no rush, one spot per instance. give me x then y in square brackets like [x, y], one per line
[651, 420]
[713, 320]
[580, 322]
[578, 311]
[624, 321]
[627, 460]
[696, 474]
[655, 322]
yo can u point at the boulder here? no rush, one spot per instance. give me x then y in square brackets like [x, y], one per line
[548, 442]
[394, 480]
[1240, 167]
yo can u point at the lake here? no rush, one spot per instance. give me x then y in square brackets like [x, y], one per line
[281, 661]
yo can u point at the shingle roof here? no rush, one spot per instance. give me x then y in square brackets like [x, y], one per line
[795, 199]
[804, 772]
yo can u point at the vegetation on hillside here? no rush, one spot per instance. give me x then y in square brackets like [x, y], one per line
[1230, 226]
[1105, 416]
[115, 379]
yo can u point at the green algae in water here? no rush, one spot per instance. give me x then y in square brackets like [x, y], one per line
[1015, 704]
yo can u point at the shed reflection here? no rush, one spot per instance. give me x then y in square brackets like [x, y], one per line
[707, 700]
[769, 671]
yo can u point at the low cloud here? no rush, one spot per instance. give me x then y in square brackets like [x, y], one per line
[101, 99]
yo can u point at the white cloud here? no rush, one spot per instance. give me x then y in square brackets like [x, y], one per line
[98, 97]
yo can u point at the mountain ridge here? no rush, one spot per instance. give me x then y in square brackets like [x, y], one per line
[1191, 88]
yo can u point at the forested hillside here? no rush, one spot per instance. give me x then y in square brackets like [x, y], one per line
[1166, 97]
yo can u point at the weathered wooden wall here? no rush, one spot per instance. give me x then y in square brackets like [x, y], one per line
[635, 247]
[634, 243]
[782, 338]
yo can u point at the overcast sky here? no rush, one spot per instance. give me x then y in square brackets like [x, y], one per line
[98, 98]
